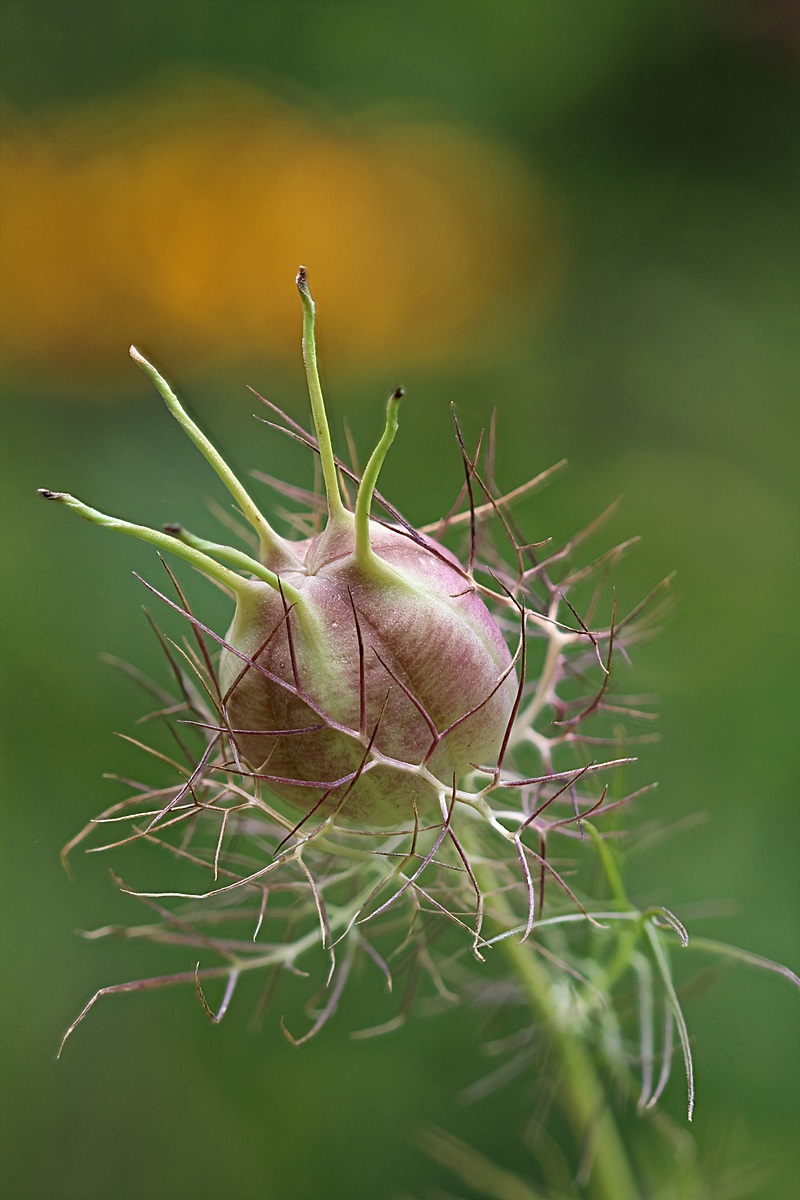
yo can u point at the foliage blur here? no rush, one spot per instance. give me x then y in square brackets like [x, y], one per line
[582, 214]
[178, 210]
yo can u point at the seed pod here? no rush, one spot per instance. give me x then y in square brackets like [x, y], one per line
[399, 654]
[362, 676]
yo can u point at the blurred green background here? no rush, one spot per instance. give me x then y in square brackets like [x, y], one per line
[585, 214]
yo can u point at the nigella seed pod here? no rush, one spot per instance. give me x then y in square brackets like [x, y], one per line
[362, 677]
[398, 651]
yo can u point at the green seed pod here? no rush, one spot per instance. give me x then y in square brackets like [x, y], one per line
[395, 654]
[362, 676]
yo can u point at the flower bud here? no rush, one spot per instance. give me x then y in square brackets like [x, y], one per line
[401, 654]
[363, 677]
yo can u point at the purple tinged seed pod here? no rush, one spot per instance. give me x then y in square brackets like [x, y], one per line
[386, 654]
[362, 675]
[397, 654]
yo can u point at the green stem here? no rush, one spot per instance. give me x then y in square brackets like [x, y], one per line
[235, 558]
[609, 866]
[366, 488]
[581, 1092]
[336, 509]
[273, 546]
[163, 541]
[627, 941]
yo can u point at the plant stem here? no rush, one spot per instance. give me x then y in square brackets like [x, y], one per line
[273, 547]
[337, 512]
[162, 541]
[581, 1092]
[366, 488]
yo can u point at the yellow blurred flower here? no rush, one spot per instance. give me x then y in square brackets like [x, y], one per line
[175, 217]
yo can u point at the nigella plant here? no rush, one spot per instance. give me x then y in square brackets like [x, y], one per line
[407, 752]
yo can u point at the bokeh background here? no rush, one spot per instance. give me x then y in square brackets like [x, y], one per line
[584, 214]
